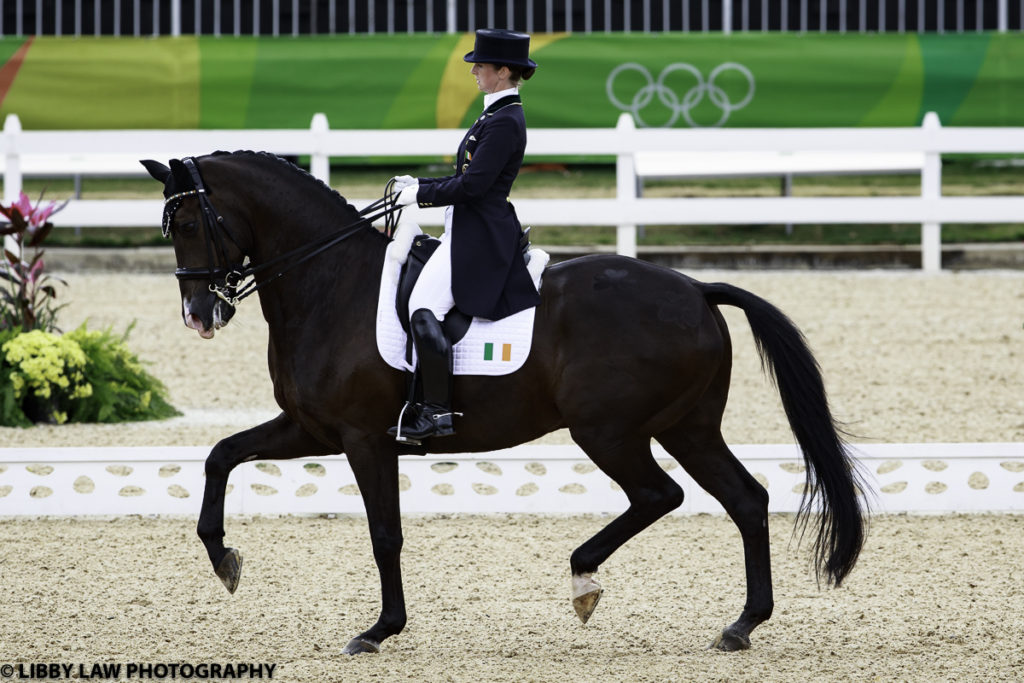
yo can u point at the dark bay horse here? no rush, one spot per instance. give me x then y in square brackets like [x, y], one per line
[623, 352]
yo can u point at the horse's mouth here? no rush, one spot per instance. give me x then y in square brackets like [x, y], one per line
[220, 314]
[193, 322]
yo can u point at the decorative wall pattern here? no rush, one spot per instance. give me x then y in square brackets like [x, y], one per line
[526, 479]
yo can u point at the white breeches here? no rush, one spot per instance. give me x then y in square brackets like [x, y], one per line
[433, 289]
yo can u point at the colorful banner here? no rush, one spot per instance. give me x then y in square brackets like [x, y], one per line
[421, 81]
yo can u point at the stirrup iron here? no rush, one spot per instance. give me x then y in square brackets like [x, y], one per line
[398, 429]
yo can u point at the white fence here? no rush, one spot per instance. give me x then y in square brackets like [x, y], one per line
[113, 152]
[134, 17]
[526, 479]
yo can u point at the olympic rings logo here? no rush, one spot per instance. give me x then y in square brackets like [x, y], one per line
[670, 99]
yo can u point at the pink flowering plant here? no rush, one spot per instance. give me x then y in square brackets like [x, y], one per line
[27, 293]
[46, 376]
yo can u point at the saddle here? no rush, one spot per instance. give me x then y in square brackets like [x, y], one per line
[455, 323]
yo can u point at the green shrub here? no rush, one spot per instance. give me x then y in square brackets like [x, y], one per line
[122, 389]
[11, 413]
[82, 376]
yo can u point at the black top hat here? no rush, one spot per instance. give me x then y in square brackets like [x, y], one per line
[498, 46]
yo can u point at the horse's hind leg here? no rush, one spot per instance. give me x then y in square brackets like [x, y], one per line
[651, 494]
[278, 439]
[700, 449]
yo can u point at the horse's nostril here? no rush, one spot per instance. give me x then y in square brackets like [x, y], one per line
[192, 321]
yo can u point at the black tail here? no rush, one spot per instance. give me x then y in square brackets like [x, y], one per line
[831, 473]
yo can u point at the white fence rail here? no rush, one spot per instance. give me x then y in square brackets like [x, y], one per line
[113, 152]
[526, 479]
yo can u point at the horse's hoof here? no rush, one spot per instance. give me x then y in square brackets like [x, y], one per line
[230, 569]
[730, 641]
[358, 646]
[586, 593]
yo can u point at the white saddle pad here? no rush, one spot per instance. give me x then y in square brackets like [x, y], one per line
[489, 347]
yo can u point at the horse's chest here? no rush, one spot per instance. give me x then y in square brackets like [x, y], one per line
[321, 396]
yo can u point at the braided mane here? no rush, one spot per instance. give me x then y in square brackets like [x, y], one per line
[342, 204]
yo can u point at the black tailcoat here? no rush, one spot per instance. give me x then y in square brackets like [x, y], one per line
[489, 276]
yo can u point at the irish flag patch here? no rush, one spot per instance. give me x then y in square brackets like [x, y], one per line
[505, 350]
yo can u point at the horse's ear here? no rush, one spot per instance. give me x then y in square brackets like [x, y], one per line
[182, 178]
[156, 169]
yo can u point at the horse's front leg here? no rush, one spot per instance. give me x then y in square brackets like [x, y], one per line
[375, 465]
[278, 439]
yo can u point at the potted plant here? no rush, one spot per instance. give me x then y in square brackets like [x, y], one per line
[47, 376]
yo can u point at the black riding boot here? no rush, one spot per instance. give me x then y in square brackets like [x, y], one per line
[432, 417]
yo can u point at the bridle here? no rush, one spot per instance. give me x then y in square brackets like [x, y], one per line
[229, 280]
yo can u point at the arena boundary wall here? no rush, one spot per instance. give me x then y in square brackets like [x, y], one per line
[542, 479]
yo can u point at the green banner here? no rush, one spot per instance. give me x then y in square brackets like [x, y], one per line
[421, 81]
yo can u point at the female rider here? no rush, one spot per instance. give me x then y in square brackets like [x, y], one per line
[479, 266]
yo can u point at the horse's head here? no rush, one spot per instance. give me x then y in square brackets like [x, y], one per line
[206, 246]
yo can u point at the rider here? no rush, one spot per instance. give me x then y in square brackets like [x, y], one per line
[479, 265]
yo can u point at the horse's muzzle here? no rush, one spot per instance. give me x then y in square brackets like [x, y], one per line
[220, 313]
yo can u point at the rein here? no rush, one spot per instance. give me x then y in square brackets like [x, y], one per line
[231, 288]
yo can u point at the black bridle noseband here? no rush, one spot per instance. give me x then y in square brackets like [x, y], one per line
[228, 280]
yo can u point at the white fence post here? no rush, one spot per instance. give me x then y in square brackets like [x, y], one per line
[319, 163]
[931, 188]
[176, 18]
[625, 183]
[450, 17]
[12, 170]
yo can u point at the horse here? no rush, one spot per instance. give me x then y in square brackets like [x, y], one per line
[661, 371]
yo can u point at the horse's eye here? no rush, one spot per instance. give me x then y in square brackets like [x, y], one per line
[187, 228]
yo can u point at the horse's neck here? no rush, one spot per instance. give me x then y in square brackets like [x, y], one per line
[338, 286]
[289, 218]
[282, 228]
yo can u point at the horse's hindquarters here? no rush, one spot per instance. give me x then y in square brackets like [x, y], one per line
[627, 344]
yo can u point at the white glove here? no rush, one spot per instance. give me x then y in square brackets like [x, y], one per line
[408, 195]
[403, 181]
